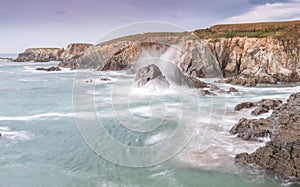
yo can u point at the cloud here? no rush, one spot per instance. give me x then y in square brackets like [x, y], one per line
[268, 12]
[268, 1]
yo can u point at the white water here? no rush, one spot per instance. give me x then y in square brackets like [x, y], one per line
[41, 144]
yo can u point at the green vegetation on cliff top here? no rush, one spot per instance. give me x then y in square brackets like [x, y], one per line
[288, 30]
[284, 31]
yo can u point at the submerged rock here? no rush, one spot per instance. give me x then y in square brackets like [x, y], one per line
[150, 73]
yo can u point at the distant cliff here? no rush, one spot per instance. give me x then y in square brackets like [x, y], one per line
[259, 52]
[246, 54]
[40, 55]
[73, 51]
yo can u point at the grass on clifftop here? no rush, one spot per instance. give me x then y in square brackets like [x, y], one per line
[289, 30]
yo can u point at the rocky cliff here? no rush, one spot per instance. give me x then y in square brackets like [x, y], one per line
[73, 51]
[40, 55]
[245, 54]
[250, 56]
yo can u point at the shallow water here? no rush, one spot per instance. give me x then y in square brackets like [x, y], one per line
[41, 144]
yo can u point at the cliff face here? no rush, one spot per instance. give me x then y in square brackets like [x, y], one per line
[265, 59]
[249, 53]
[72, 52]
[40, 55]
[192, 55]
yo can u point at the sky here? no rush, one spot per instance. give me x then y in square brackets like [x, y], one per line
[55, 23]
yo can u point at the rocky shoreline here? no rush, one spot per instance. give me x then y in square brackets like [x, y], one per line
[282, 153]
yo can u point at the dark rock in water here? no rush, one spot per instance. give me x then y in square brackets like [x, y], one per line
[252, 129]
[198, 84]
[232, 90]
[264, 103]
[6, 59]
[282, 153]
[260, 110]
[104, 79]
[279, 156]
[206, 92]
[53, 68]
[244, 105]
[148, 74]
[244, 81]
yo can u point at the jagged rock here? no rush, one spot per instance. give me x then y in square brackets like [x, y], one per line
[244, 81]
[279, 156]
[198, 84]
[40, 55]
[72, 53]
[245, 105]
[260, 110]
[264, 103]
[282, 153]
[150, 73]
[53, 68]
[252, 129]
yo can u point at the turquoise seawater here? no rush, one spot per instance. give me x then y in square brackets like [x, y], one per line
[41, 144]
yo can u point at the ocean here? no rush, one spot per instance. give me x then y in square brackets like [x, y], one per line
[46, 140]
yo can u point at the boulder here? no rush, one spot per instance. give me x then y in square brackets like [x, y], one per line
[260, 110]
[150, 73]
[245, 105]
[252, 129]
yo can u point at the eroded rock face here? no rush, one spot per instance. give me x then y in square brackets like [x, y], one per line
[279, 156]
[263, 106]
[258, 60]
[249, 61]
[252, 129]
[150, 74]
[283, 126]
[192, 55]
[40, 55]
[72, 53]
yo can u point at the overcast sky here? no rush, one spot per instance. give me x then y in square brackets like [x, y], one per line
[55, 23]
